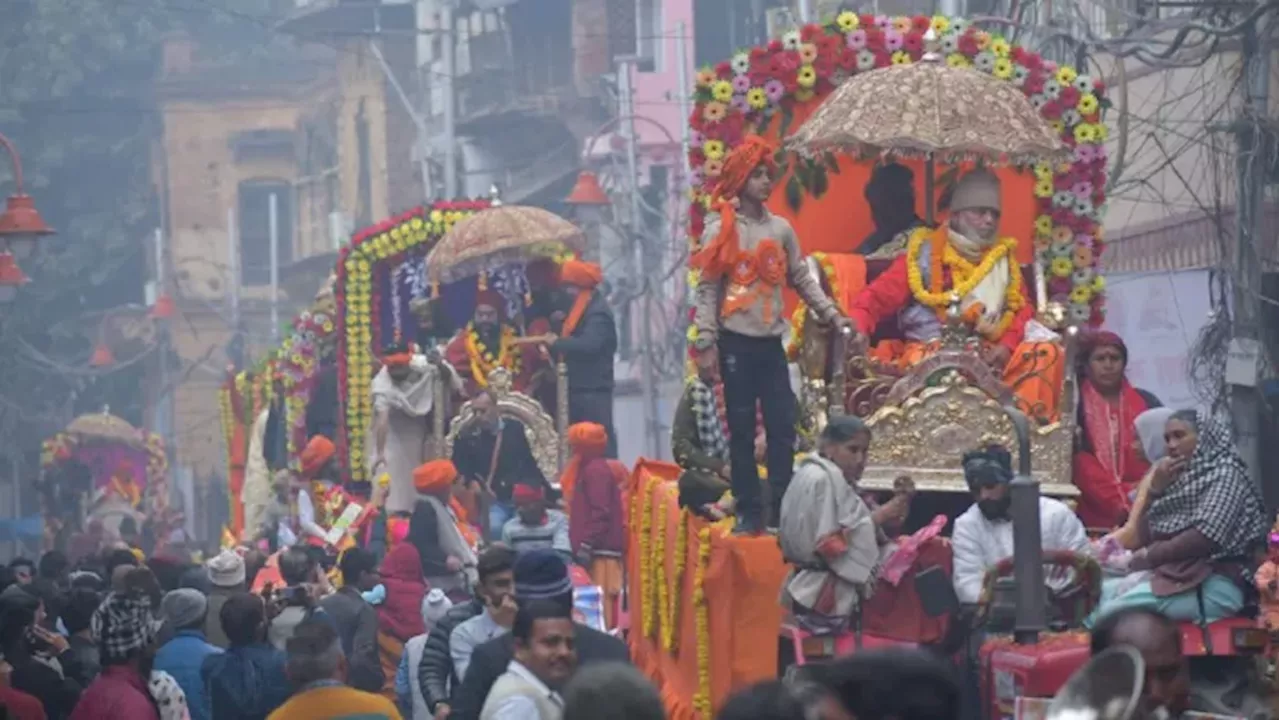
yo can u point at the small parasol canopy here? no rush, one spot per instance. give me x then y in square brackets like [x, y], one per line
[104, 428]
[499, 236]
[934, 111]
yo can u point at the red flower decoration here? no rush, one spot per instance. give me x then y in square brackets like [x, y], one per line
[1069, 96]
[920, 23]
[968, 44]
[724, 70]
[848, 59]
[866, 21]
[775, 46]
[875, 39]
[1051, 110]
[913, 43]
[809, 33]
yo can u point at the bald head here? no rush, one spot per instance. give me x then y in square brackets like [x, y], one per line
[1159, 641]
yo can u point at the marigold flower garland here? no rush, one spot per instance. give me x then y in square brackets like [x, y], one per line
[646, 580]
[964, 275]
[658, 566]
[482, 359]
[800, 314]
[702, 626]
[671, 604]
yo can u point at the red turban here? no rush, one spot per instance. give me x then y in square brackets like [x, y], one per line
[717, 257]
[319, 450]
[524, 493]
[581, 274]
[434, 477]
[493, 299]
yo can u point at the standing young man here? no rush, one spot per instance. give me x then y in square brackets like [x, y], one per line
[748, 254]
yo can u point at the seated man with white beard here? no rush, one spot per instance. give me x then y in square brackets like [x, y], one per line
[983, 535]
[965, 258]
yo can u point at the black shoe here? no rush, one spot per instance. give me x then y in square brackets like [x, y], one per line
[748, 526]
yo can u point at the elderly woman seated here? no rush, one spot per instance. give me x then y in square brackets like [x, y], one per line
[1198, 522]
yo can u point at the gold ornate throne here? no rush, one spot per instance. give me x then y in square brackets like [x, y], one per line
[545, 436]
[925, 418]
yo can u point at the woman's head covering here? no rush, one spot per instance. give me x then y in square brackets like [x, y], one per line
[1102, 338]
[1150, 428]
[581, 274]
[434, 477]
[1214, 495]
[400, 613]
[319, 450]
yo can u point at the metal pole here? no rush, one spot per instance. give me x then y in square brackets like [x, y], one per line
[684, 89]
[233, 270]
[805, 10]
[449, 49]
[163, 419]
[1246, 271]
[273, 221]
[1028, 568]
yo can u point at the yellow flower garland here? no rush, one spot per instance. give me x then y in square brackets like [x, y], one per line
[482, 360]
[646, 520]
[702, 626]
[671, 606]
[965, 277]
[800, 314]
[658, 566]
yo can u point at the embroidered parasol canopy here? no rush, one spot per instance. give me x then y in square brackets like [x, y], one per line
[931, 110]
[498, 236]
[104, 427]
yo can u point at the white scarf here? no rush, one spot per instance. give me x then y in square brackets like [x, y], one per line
[990, 291]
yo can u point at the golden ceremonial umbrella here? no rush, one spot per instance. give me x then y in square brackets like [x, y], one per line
[104, 428]
[499, 236]
[931, 110]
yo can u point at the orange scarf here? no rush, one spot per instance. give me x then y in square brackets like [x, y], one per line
[719, 256]
[575, 313]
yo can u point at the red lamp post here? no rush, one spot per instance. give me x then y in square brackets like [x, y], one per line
[20, 229]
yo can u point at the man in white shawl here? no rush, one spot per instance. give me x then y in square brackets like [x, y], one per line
[827, 532]
[404, 393]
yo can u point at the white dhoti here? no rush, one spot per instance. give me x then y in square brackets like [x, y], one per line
[408, 406]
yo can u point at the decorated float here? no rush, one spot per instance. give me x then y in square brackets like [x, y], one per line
[922, 416]
[101, 476]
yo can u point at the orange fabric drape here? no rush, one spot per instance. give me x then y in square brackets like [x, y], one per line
[235, 483]
[742, 578]
[851, 277]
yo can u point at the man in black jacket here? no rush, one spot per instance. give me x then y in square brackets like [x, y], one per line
[493, 454]
[539, 575]
[436, 676]
[587, 342]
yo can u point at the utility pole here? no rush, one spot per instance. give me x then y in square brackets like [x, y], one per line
[273, 221]
[163, 417]
[1244, 351]
[640, 240]
[449, 51]
[233, 288]
[804, 8]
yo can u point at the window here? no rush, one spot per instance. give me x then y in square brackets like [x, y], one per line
[649, 35]
[722, 27]
[254, 215]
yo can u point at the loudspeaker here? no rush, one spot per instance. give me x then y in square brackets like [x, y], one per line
[1108, 687]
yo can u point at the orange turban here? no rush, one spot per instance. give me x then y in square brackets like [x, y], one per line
[587, 440]
[718, 256]
[434, 477]
[319, 450]
[581, 274]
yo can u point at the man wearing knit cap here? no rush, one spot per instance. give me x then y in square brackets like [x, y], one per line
[747, 256]
[227, 575]
[965, 257]
[587, 342]
[184, 654]
[539, 575]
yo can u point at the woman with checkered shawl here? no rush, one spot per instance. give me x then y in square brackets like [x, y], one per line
[1200, 530]
[700, 447]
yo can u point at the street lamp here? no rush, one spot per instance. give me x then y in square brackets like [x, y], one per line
[20, 228]
[588, 198]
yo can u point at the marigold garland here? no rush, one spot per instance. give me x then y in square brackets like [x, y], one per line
[658, 566]
[965, 276]
[702, 626]
[646, 521]
[799, 316]
[671, 608]
[482, 359]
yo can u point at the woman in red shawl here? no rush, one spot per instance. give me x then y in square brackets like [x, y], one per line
[400, 614]
[1109, 461]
